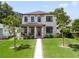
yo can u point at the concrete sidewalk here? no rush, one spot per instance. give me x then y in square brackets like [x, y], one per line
[38, 49]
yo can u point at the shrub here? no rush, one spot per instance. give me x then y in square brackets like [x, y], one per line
[30, 36]
[75, 35]
[27, 36]
[57, 35]
[51, 36]
[23, 46]
[66, 32]
[48, 36]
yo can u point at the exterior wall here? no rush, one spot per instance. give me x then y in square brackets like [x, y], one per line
[5, 31]
[1, 31]
[43, 21]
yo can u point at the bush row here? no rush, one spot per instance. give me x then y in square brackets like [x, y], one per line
[67, 35]
[25, 36]
[53, 36]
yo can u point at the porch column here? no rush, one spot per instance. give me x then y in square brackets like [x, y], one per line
[35, 31]
[42, 31]
[27, 29]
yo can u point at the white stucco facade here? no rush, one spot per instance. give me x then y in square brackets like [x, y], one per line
[43, 22]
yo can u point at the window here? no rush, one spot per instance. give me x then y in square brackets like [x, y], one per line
[32, 19]
[39, 19]
[26, 19]
[49, 18]
[31, 30]
[25, 30]
[49, 29]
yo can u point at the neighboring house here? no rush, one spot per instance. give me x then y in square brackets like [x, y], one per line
[4, 31]
[39, 24]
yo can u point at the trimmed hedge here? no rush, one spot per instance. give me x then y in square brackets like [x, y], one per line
[53, 36]
[26, 36]
[57, 35]
[48, 36]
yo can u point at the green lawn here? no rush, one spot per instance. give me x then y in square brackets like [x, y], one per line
[51, 48]
[7, 52]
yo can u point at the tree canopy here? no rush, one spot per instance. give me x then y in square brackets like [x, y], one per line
[8, 16]
[61, 15]
[11, 20]
[75, 25]
[5, 10]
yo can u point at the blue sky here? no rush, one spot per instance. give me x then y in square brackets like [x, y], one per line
[71, 7]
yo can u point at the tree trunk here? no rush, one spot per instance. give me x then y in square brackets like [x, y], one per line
[62, 39]
[9, 31]
[14, 43]
[62, 36]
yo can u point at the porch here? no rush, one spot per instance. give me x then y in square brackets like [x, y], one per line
[37, 30]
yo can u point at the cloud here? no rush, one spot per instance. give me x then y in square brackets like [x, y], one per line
[63, 5]
[75, 3]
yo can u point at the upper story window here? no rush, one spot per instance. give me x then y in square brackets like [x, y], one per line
[39, 19]
[49, 19]
[26, 19]
[32, 18]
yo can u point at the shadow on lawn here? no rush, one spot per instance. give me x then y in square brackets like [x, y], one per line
[23, 46]
[75, 47]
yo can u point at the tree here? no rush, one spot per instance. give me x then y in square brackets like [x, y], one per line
[75, 27]
[12, 21]
[1, 12]
[66, 32]
[10, 18]
[62, 19]
[5, 10]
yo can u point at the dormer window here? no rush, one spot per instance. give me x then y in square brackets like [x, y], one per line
[32, 18]
[39, 19]
[26, 19]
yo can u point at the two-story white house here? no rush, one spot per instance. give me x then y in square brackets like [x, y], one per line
[39, 23]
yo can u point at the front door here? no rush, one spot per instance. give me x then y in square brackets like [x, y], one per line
[38, 31]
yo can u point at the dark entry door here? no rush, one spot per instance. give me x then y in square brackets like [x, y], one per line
[39, 31]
